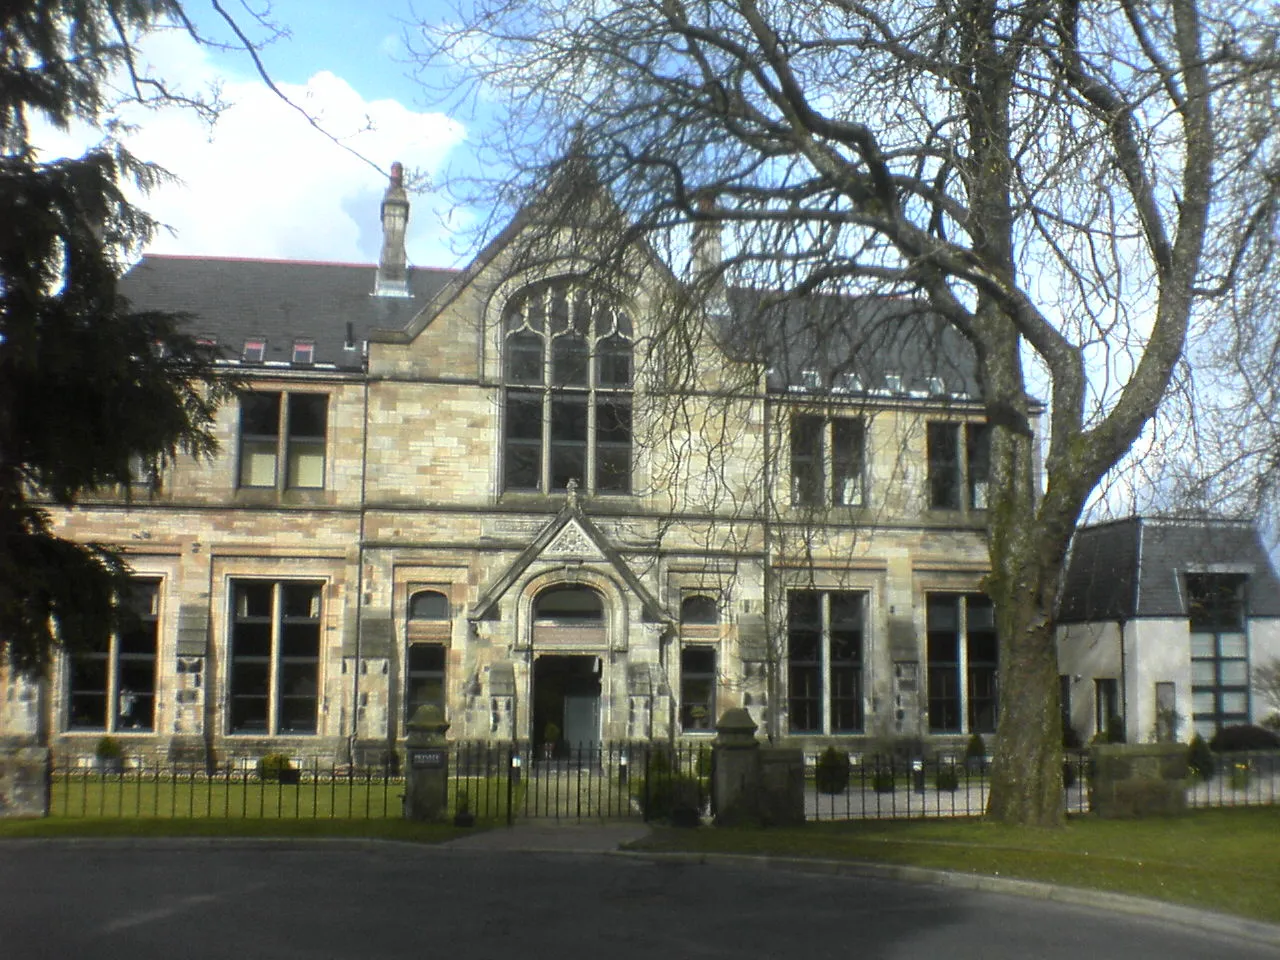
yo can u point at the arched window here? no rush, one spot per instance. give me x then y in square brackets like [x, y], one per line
[576, 603]
[699, 610]
[428, 605]
[567, 369]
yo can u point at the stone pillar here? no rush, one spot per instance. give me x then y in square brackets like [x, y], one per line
[427, 765]
[736, 781]
[1133, 780]
[24, 781]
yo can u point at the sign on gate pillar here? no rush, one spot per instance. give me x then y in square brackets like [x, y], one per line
[427, 769]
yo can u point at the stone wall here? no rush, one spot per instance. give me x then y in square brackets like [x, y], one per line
[24, 781]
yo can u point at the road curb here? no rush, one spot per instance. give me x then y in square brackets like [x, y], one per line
[1254, 931]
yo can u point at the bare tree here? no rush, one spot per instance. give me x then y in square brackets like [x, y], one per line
[1072, 186]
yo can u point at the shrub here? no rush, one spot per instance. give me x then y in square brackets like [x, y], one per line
[669, 797]
[976, 748]
[1272, 722]
[882, 781]
[948, 779]
[1200, 758]
[831, 773]
[108, 748]
[1070, 739]
[1244, 737]
[275, 766]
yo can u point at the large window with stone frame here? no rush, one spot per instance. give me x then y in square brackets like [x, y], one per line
[429, 627]
[824, 661]
[567, 377]
[113, 687]
[282, 440]
[959, 461]
[963, 663]
[1216, 606]
[274, 682]
[827, 460]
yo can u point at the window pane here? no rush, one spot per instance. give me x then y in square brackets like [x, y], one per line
[427, 657]
[522, 454]
[1235, 702]
[569, 361]
[568, 441]
[613, 362]
[308, 415]
[258, 463]
[699, 609]
[524, 358]
[135, 702]
[847, 445]
[306, 465]
[944, 466]
[1204, 645]
[252, 599]
[300, 640]
[806, 460]
[260, 414]
[301, 600]
[613, 446]
[88, 695]
[697, 688]
[1204, 701]
[1235, 673]
[1233, 645]
[1215, 601]
[1204, 673]
[978, 453]
[428, 605]
[846, 698]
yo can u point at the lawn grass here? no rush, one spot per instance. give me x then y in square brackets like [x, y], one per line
[1223, 860]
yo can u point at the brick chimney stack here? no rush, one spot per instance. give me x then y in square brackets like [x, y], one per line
[393, 273]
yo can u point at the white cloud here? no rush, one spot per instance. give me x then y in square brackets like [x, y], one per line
[263, 183]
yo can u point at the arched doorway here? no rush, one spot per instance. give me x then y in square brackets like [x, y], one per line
[566, 686]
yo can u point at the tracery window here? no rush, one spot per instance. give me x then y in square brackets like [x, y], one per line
[567, 407]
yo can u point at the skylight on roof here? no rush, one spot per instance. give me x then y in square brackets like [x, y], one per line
[304, 351]
[254, 351]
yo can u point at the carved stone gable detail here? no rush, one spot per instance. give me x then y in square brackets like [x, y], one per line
[572, 543]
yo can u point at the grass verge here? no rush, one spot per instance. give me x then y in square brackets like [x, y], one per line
[1223, 860]
[387, 829]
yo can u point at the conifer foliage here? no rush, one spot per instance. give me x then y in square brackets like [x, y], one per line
[88, 388]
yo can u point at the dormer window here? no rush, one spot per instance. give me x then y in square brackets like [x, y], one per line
[304, 351]
[254, 351]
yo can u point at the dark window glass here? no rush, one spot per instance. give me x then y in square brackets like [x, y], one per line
[568, 441]
[523, 448]
[524, 358]
[983, 658]
[569, 360]
[944, 466]
[425, 677]
[113, 687]
[978, 454]
[1216, 611]
[699, 609]
[943, 679]
[275, 657]
[568, 603]
[697, 688]
[847, 455]
[804, 667]
[613, 360]
[806, 460]
[429, 605]
[845, 658]
[613, 446]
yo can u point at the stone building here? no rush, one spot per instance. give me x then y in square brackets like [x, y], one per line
[477, 488]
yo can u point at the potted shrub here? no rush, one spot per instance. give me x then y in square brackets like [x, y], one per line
[948, 778]
[110, 755]
[1200, 759]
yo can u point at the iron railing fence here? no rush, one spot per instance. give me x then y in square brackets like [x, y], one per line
[883, 787]
[495, 782]
[1237, 779]
[510, 781]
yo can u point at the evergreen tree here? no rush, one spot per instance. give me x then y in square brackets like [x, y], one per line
[87, 387]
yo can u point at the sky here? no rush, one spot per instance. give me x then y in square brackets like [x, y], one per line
[261, 182]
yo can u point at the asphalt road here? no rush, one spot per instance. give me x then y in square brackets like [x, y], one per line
[175, 901]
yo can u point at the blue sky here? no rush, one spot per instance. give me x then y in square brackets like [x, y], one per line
[262, 183]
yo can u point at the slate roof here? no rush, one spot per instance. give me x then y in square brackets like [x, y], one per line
[1134, 568]
[855, 345]
[235, 300]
